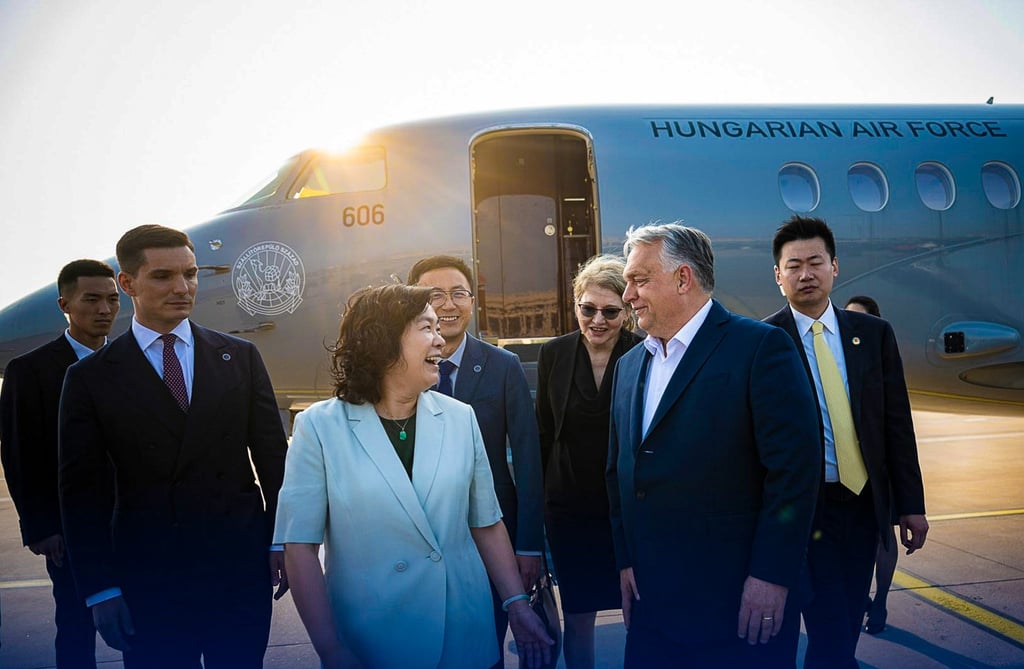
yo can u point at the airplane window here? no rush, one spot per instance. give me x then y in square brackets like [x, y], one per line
[868, 186]
[354, 171]
[798, 185]
[1002, 186]
[269, 184]
[935, 186]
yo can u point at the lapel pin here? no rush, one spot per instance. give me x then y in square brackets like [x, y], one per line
[856, 341]
[477, 368]
[226, 356]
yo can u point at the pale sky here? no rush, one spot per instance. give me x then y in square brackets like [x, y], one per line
[115, 113]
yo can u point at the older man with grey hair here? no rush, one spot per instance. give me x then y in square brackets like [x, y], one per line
[713, 468]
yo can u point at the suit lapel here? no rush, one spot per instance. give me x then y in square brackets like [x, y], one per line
[429, 437]
[697, 353]
[786, 321]
[371, 437]
[133, 376]
[63, 355]
[470, 371]
[636, 409]
[562, 374]
[211, 379]
[856, 361]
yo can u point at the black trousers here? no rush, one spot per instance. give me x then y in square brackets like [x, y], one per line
[649, 647]
[228, 630]
[75, 642]
[840, 561]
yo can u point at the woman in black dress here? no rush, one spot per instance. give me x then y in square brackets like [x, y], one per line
[573, 403]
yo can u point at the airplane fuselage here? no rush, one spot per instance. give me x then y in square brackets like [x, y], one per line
[924, 202]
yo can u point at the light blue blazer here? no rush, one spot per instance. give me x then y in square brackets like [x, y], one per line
[406, 582]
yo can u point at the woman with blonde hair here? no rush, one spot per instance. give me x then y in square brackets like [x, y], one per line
[573, 406]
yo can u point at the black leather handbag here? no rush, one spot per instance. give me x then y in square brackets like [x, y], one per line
[543, 603]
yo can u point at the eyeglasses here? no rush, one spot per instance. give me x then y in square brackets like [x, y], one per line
[459, 296]
[609, 313]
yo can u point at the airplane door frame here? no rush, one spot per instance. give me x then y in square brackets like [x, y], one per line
[576, 226]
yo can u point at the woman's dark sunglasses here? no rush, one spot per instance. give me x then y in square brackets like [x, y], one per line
[609, 313]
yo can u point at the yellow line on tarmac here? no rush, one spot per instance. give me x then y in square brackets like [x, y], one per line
[983, 617]
[977, 514]
[32, 583]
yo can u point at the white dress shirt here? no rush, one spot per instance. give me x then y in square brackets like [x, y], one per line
[153, 347]
[665, 360]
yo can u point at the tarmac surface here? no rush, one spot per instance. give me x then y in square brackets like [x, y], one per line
[959, 602]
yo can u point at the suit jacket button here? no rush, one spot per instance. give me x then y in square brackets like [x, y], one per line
[640, 494]
[435, 556]
[401, 565]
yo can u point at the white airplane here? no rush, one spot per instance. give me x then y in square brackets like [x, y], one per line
[924, 202]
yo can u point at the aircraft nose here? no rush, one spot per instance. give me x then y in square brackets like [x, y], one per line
[29, 323]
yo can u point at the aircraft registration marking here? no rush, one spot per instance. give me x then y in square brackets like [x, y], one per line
[363, 214]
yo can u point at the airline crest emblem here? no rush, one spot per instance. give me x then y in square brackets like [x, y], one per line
[268, 278]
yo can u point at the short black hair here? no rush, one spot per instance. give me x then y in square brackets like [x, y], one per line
[67, 280]
[802, 227]
[431, 263]
[868, 303]
[131, 248]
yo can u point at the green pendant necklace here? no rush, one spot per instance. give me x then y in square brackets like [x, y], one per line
[402, 435]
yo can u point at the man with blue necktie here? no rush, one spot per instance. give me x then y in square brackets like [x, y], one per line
[492, 381]
[870, 453]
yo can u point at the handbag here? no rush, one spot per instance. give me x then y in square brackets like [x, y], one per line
[543, 603]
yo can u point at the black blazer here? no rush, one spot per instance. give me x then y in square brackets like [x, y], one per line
[188, 519]
[881, 411]
[493, 382]
[28, 435]
[556, 365]
[724, 484]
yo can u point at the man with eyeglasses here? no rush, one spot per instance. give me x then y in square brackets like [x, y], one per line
[492, 381]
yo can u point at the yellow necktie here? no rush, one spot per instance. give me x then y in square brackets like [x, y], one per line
[852, 473]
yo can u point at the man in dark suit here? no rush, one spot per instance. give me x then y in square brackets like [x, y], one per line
[870, 412]
[492, 381]
[173, 557]
[712, 468]
[29, 401]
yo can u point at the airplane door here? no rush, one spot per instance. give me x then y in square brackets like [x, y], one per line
[534, 225]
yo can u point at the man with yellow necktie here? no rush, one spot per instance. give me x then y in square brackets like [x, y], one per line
[870, 452]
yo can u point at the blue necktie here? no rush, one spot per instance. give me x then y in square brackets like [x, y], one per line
[444, 384]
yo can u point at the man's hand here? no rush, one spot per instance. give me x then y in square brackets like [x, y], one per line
[529, 570]
[278, 575]
[114, 622]
[913, 531]
[627, 587]
[761, 610]
[52, 547]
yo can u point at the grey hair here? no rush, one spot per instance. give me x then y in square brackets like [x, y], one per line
[681, 245]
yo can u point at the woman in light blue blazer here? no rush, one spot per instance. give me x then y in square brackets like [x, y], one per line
[394, 480]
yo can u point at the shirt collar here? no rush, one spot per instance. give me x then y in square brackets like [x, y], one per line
[828, 319]
[145, 337]
[456, 357]
[80, 349]
[686, 333]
